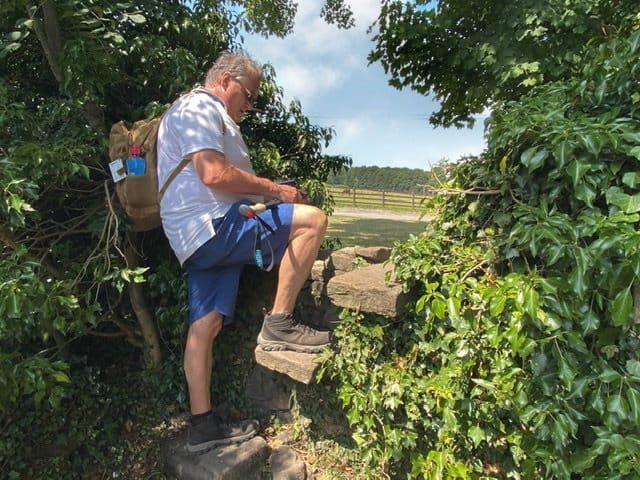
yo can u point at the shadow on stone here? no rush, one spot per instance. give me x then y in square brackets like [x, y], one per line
[233, 462]
[286, 465]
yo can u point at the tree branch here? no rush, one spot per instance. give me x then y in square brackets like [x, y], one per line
[47, 30]
[8, 239]
[48, 35]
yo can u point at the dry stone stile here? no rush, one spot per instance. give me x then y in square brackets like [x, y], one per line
[354, 278]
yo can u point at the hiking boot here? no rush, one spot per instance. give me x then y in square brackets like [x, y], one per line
[213, 432]
[281, 331]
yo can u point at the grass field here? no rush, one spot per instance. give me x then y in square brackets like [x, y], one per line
[371, 232]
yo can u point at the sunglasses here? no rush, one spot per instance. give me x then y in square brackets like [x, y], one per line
[251, 98]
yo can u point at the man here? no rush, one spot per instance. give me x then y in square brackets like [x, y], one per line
[201, 217]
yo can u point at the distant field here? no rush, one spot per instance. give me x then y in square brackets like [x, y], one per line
[371, 232]
[361, 198]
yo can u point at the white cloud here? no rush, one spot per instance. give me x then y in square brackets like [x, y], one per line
[326, 69]
[305, 82]
[350, 130]
[458, 151]
[365, 12]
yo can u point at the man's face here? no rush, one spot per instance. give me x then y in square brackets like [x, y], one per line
[243, 91]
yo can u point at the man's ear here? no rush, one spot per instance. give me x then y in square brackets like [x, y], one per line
[225, 80]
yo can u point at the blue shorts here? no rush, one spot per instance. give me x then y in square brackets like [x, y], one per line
[213, 271]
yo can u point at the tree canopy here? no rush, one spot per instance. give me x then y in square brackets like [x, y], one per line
[70, 269]
[519, 358]
[395, 179]
[478, 54]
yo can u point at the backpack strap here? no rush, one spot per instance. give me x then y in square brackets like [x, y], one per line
[174, 174]
[185, 161]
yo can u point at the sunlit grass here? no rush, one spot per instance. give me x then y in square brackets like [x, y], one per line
[370, 232]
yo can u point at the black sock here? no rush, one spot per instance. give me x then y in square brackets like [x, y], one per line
[199, 418]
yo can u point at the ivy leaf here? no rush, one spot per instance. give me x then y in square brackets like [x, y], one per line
[476, 434]
[601, 89]
[633, 367]
[539, 363]
[631, 179]
[634, 41]
[585, 192]
[583, 460]
[631, 137]
[627, 203]
[591, 143]
[137, 18]
[438, 307]
[532, 158]
[496, 307]
[531, 302]
[589, 323]
[576, 171]
[633, 399]
[503, 164]
[617, 404]
[61, 377]
[621, 308]
[560, 430]
[562, 152]
[635, 152]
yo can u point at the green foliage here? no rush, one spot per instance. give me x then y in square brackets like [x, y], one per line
[69, 69]
[519, 358]
[473, 54]
[277, 18]
[409, 180]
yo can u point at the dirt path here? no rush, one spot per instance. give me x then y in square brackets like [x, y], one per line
[368, 213]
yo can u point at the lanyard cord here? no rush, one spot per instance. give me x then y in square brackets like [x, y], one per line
[261, 225]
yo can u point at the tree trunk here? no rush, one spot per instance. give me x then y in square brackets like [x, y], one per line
[152, 352]
[47, 29]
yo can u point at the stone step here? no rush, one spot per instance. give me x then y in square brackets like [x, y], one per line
[232, 462]
[301, 367]
[241, 461]
[366, 289]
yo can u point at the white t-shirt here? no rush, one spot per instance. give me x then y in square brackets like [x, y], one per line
[193, 123]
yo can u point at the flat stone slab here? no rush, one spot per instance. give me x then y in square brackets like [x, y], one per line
[286, 465]
[341, 260]
[233, 462]
[299, 366]
[365, 289]
[373, 254]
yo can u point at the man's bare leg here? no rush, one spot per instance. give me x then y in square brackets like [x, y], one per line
[280, 330]
[198, 360]
[308, 227]
[207, 430]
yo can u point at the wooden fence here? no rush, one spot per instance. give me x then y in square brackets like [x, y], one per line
[360, 198]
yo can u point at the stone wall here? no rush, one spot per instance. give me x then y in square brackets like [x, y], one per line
[355, 278]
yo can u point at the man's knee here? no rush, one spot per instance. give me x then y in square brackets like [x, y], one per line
[205, 329]
[308, 216]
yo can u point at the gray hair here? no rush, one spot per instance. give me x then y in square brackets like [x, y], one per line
[236, 62]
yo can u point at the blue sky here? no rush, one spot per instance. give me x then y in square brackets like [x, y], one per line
[326, 69]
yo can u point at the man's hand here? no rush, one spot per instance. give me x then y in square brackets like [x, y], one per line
[290, 194]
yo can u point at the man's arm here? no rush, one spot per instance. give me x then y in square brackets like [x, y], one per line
[214, 171]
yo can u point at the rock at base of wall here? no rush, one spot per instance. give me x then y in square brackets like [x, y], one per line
[286, 465]
[267, 391]
[232, 462]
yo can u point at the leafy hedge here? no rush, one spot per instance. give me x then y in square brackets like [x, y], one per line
[70, 293]
[520, 358]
